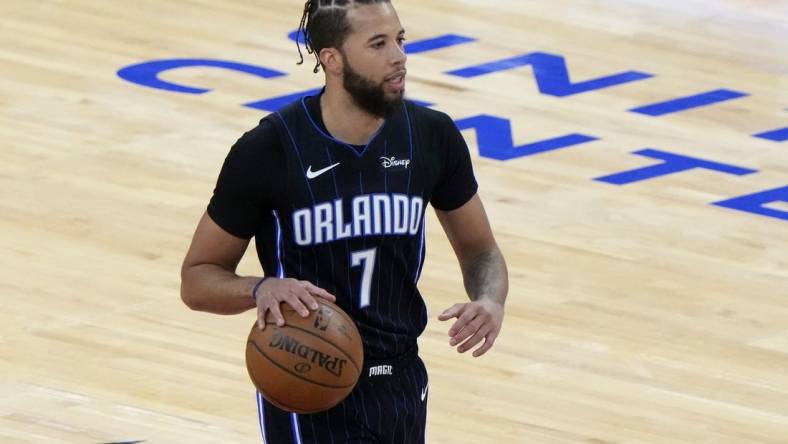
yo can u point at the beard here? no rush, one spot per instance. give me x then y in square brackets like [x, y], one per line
[368, 95]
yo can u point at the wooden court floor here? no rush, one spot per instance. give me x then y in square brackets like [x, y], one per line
[639, 312]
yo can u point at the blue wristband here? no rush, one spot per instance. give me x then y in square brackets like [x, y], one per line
[256, 286]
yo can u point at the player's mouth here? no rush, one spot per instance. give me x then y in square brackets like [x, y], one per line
[396, 81]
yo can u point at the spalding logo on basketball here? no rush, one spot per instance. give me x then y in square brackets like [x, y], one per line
[310, 364]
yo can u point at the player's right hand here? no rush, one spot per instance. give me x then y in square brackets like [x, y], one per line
[295, 293]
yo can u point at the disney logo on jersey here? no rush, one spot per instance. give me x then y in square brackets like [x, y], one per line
[392, 163]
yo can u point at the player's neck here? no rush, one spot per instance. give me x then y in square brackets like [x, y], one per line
[345, 121]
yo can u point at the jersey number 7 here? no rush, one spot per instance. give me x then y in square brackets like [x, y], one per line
[365, 259]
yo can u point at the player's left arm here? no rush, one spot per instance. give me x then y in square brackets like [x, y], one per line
[484, 274]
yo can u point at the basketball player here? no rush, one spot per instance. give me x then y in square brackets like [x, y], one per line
[334, 189]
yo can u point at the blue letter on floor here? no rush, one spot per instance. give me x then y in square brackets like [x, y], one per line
[690, 102]
[673, 163]
[778, 135]
[494, 137]
[551, 74]
[756, 203]
[147, 73]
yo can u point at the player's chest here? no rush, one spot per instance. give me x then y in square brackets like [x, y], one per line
[331, 170]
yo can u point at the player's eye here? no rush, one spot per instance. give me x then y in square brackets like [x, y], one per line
[401, 40]
[379, 44]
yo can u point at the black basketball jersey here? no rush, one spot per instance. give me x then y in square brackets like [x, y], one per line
[347, 218]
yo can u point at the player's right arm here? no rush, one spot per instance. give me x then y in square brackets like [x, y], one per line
[209, 281]
[208, 278]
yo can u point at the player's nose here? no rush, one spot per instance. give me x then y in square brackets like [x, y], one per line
[398, 57]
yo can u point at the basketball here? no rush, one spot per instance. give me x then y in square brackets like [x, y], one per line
[310, 364]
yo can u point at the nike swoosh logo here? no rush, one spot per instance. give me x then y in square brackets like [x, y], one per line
[424, 392]
[312, 174]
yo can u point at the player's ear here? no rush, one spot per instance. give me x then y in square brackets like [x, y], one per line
[332, 60]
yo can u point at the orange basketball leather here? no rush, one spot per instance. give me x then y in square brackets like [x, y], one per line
[310, 364]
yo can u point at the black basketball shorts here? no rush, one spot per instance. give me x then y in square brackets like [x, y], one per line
[387, 406]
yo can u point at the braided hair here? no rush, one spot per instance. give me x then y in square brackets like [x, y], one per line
[324, 24]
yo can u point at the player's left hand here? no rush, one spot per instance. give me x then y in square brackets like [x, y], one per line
[476, 320]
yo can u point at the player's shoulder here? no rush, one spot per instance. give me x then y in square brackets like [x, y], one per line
[260, 145]
[428, 118]
[259, 139]
[435, 128]
[263, 132]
